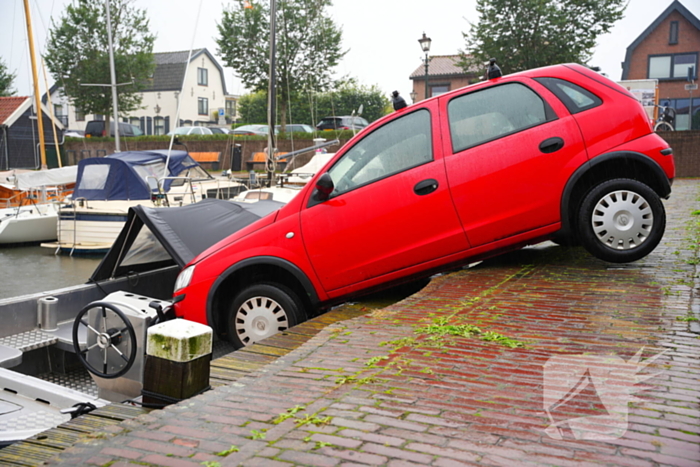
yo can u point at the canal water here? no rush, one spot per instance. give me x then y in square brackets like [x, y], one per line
[30, 269]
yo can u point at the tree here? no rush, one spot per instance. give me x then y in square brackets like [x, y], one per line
[6, 79]
[524, 34]
[78, 53]
[312, 107]
[308, 46]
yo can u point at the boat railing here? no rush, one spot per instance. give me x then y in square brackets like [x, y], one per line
[225, 189]
[161, 195]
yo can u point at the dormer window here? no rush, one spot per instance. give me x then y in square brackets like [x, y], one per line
[202, 76]
[673, 33]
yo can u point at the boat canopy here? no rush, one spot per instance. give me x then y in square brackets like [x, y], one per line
[32, 179]
[133, 174]
[159, 237]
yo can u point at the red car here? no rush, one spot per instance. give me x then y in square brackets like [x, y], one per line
[557, 153]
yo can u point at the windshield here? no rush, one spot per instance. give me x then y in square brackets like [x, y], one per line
[152, 169]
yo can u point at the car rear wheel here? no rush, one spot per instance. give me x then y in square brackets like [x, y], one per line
[621, 220]
[262, 310]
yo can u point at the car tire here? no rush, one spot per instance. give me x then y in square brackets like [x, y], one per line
[260, 311]
[621, 220]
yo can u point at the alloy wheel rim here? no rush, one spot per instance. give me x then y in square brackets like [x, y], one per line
[258, 318]
[622, 220]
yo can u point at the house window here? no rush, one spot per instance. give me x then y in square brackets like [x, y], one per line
[79, 115]
[437, 89]
[230, 108]
[202, 76]
[673, 33]
[136, 121]
[203, 106]
[673, 66]
[159, 123]
[681, 64]
[58, 114]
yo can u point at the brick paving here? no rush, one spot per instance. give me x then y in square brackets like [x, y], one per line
[407, 385]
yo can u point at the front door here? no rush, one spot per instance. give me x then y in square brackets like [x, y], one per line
[390, 208]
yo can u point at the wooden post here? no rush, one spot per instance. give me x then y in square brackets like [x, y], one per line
[178, 354]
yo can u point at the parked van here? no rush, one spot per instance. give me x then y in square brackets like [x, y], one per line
[97, 128]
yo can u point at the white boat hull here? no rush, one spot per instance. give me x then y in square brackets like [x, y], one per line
[33, 224]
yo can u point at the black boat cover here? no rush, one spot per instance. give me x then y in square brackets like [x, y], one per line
[176, 235]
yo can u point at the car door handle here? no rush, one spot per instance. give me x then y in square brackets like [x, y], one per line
[551, 145]
[425, 187]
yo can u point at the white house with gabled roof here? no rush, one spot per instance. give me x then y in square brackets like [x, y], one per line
[200, 98]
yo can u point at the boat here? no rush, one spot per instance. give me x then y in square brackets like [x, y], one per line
[107, 187]
[28, 224]
[31, 198]
[27, 187]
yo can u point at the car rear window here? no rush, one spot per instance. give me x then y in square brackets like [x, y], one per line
[481, 116]
[574, 97]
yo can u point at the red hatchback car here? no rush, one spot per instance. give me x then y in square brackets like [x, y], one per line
[557, 153]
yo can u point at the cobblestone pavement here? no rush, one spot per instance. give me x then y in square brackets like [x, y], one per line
[416, 383]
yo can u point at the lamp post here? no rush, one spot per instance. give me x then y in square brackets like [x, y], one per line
[414, 96]
[425, 45]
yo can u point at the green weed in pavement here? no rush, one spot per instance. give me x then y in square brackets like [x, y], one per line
[228, 451]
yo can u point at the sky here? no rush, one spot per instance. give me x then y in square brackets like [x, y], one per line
[380, 36]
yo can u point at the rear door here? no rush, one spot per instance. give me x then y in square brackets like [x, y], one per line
[391, 207]
[509, 155]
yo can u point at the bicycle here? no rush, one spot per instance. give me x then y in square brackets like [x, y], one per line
[667, 117]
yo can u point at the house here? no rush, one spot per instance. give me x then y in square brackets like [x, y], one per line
[202, 98]
[19, 138]
[668, 51]
[444, 75]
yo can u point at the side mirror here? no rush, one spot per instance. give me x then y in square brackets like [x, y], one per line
[324, 187]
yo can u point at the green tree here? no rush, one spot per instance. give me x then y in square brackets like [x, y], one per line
[524, 34]
[6, 79]
[310, 108]
[308, 46]
[77, 53]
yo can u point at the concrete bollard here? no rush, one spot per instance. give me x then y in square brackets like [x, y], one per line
[178, 353]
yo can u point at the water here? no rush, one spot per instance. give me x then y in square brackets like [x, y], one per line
[30, 269]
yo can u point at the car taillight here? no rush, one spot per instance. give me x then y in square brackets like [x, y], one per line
[344, 128]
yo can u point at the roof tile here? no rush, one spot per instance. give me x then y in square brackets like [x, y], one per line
[8, 105]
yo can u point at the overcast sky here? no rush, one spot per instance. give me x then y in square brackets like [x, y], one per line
[381, 36]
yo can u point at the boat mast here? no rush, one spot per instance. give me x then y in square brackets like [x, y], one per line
[113, 76]
[271, 97]
[35, 77]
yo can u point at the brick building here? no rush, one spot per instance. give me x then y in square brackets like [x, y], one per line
[665, 51]
[444, 75]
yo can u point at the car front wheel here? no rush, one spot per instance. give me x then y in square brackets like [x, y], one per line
[260, 311]
[621, 220]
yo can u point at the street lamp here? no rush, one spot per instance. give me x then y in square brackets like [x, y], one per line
[413, 95]
[425, 45]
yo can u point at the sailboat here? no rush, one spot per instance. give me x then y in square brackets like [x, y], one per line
[28, 212]
[30, 198]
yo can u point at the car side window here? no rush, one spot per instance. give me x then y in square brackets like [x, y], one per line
[575, 98]
[485, 115]
[399, 145]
